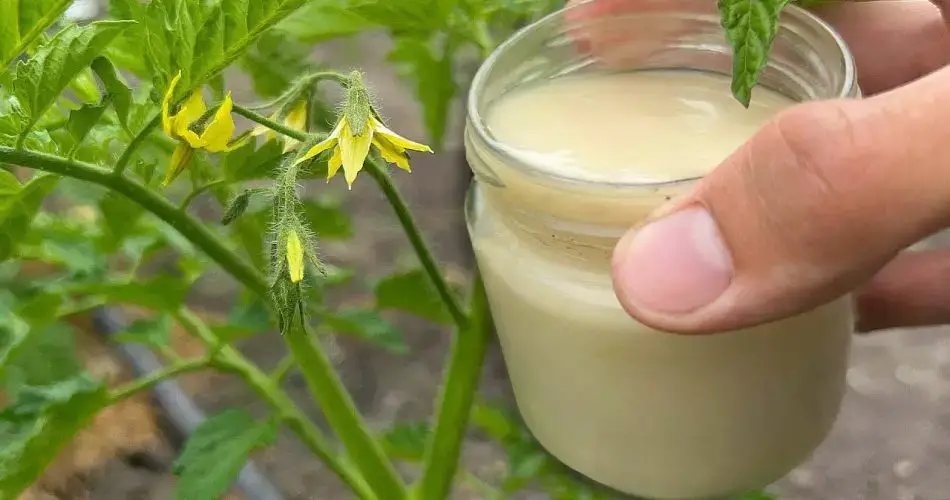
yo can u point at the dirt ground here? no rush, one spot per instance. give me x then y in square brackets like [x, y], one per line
[892, 441]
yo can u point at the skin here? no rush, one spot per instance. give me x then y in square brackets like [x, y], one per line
[820, 202]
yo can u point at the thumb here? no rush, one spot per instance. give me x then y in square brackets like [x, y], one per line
[806, 211]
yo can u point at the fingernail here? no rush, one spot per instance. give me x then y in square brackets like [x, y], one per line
[674, 265]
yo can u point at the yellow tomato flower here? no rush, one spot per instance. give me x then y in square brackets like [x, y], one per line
[214, 138]
[295, 256]
[296, 119]
[350, 150]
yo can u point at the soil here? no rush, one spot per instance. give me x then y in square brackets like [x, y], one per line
[892, 441]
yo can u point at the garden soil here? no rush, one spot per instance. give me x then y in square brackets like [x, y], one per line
[892, 441]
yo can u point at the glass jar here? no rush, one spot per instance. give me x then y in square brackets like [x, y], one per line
[644, 412]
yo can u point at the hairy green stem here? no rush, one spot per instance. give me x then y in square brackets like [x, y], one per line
[150, 380]
[338, 407]
[414, 234]
[212, 245]
[271, 124]
[134, 144]
[456, 396]
[229, 358]
[297, 85]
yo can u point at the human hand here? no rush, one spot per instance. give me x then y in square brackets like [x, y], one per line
[819, 202]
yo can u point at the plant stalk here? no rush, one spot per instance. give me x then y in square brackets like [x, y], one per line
[230, 359]
[454, 405]
[338, 407]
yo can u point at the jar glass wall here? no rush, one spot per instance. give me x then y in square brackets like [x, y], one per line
[641, 411]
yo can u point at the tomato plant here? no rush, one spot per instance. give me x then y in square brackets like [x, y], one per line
[130, 120]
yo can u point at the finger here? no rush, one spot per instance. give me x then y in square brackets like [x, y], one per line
[893, 42]
[810, 208]
[913, 290]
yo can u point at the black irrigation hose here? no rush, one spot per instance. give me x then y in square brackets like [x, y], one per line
[181, 410]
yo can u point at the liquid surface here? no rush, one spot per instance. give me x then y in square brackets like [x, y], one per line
[641, 126]
[645, 412]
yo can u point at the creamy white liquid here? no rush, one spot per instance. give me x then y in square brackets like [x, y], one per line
[648, 413]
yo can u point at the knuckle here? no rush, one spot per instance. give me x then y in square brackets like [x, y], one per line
[816, 139]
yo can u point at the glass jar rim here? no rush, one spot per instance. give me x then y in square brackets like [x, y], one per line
[476, 120]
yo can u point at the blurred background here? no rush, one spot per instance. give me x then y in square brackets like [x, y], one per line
[892, 441]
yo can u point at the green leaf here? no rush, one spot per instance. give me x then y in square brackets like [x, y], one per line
[120, 218]
[322, 20]
[216, 451]
[368, 325]
[13, 332]
[406, 440]
[117, 91]
[414, 293]
[751, 26]
[249, 317]
[274, 62]
[327, 218]
[46, 355]
[153, 332]
[82, 120]
[163, 293]
[38, 424]
[399, 17]
[9, 185]
[22, 22]
[39, 82]
[201, 39]
[18, 209]
[252, 163]
[432, 75]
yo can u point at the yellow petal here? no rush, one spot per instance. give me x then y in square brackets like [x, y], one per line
[192, 139]
[296, 120]
[216, 135]
[167, 121]
[354, 149]
[324, 145]
[193, 109]
[336, 161]
[180, 159]
[395, 157]
[295, 257]
[397, 139]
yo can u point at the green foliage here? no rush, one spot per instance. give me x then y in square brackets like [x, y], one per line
[432, 73]
[22, 22]
[117, 92]
[39, 81]
[154, 332]
[201, 39]
[750, 26]
[18, 206]
[274, 62]
[321, 20]
[406, 440]
[412, 292]
[368, 325]
[216, 451]
[38, 424]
